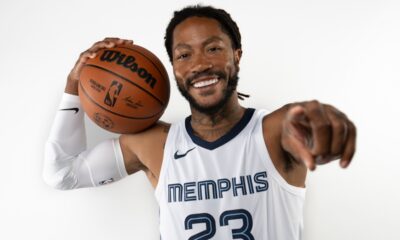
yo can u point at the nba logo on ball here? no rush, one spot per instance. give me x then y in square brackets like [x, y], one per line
[112, 93]
[124, 89]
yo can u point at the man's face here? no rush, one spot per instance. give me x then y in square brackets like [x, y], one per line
[205, 64]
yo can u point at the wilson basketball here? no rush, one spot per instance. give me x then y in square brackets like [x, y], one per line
[124, 89]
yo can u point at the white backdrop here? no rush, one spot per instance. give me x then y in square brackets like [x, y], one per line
[343, 52]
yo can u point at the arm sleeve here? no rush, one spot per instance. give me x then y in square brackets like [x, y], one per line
[68, 164]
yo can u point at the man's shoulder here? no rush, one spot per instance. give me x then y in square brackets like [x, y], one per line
[275, 117]
[152, 135]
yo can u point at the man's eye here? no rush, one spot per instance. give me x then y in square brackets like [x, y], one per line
[182, 56]
[214, 49]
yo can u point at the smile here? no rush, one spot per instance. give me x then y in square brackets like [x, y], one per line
[205, 83]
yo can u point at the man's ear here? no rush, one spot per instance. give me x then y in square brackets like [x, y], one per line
[238, 55]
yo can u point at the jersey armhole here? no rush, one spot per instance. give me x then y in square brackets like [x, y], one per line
[165, 161]
[263, 151]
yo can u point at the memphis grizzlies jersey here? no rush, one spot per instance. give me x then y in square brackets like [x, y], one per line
[226, 189]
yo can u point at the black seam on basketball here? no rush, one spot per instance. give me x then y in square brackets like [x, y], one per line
[150, 60]
[105, 109]
[126, 79]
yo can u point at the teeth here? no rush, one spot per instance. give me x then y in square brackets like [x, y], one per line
[205, 83]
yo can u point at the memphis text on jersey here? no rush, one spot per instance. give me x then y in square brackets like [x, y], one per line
[216, 189]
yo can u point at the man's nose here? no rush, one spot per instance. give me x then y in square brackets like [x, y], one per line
[201, 63]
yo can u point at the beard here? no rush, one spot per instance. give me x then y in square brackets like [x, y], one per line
[227, 92]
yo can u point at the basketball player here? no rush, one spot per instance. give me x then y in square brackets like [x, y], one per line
[225, 172]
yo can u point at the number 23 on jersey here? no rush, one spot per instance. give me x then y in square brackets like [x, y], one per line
[244, 232]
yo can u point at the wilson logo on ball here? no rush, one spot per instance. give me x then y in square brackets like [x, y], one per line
[129, 62]
[112, 93]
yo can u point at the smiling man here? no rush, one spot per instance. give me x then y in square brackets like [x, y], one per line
[205, 64]
[225, 172]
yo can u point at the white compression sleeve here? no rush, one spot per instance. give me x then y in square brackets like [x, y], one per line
[68, 164]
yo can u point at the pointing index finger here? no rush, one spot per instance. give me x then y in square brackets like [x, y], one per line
[298, 138]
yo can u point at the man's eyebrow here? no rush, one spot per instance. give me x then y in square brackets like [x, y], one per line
[182, 45]
[212, 39]
[205, 43]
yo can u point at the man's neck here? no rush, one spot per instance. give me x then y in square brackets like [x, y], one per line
[212, 127]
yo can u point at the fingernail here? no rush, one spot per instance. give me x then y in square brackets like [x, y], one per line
[309, 166]
[344, 164]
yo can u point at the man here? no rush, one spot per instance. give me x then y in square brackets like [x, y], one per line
[225, 172]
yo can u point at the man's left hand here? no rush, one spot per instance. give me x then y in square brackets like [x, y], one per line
[317, 133]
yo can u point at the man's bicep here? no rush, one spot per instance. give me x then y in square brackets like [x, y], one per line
[144, 150]
[128, 145]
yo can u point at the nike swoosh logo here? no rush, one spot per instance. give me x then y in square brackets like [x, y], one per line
[70, 109]
[177, 155]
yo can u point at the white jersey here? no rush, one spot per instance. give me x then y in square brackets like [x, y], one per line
[227, 189]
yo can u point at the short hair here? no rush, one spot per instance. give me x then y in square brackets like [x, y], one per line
[226, 22]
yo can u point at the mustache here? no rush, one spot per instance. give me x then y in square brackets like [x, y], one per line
[207, 73]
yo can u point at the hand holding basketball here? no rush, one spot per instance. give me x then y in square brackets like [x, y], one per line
[123, 88]
[73, 77]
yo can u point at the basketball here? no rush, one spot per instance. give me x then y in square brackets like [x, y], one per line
[124, 89]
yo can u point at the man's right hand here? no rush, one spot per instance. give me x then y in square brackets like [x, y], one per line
[73, 77]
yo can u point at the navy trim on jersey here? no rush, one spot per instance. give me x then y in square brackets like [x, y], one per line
[224, 139]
